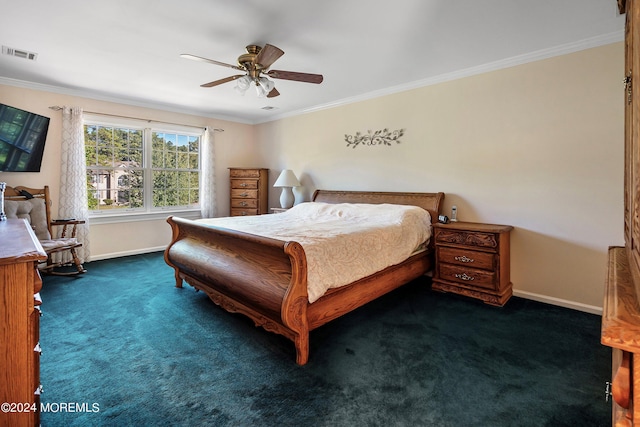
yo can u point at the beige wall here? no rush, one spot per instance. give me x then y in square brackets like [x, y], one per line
[538, 146]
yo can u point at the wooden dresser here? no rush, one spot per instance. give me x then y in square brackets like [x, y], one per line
[621, 307]
[249, 191]
[473, 259]
[20, 284]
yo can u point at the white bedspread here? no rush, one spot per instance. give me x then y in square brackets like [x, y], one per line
[342, 242]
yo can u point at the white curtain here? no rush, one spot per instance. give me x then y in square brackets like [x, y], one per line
[73, 176]
[207, 176]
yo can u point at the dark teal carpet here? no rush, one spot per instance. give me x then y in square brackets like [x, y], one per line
[124, 338]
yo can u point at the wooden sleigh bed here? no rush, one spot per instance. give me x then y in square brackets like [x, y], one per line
[266, 279]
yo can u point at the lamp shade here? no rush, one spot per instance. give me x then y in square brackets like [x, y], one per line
[287, 179]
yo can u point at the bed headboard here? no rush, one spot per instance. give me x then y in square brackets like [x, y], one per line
[431, 202]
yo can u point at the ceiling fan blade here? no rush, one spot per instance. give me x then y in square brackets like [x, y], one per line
[274, 92]
[268, 55]
[221, 81]
[298, 77]
[210, 61]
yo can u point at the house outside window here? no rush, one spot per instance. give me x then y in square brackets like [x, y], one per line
[138, 170]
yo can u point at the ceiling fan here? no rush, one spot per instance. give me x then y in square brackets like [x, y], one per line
[255, 66]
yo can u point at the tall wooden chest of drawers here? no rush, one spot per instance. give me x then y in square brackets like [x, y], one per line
[473, 259]
[20, 284]
[249, 191]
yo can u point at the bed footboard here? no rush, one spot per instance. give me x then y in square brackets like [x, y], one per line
[262, 278]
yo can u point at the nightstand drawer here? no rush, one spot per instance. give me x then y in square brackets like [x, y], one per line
[243, 212]
[469, 258]
[237, 193]
[244, 183]
[467, 238]
[242, 203]
[468, 276]
[244, 173]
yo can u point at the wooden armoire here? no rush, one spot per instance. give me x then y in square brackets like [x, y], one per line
[621, 308]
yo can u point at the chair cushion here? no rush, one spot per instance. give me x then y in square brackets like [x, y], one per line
[51, 244]
[34, 211]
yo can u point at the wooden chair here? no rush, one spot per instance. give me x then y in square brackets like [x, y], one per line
[34, 204]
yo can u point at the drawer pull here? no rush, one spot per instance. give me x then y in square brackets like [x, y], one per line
[243, 213]
[244, 194]
[465, 277]
[244, 204]
[244, 184]
[464, 259]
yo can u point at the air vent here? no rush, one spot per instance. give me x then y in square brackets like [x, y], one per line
[31, 56]
[268, 107]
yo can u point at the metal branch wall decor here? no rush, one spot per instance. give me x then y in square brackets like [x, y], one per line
[379, 137]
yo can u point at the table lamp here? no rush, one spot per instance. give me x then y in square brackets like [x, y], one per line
[287, 180]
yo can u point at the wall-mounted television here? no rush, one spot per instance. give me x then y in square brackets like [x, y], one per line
[22, 138]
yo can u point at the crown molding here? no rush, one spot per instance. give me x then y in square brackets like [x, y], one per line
[539, 55]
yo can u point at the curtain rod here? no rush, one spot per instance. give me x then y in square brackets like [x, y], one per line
[58, 108]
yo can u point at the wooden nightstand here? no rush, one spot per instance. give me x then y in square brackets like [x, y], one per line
[472, 259]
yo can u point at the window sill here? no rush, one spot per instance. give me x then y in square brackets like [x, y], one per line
[142, 216]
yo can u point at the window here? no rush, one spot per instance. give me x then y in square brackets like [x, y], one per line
[133, 169]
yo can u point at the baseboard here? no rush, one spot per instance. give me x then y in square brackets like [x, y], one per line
[559, 302]
[126, 253]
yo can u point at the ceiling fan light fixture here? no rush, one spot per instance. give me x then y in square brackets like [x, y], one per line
[263, 87]
[266, 84]
[242, 84]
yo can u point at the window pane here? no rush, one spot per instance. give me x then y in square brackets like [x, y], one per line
[182, 179]
[135, 157]
[159, 188]
[183, 142]
[157, 159]
[194, 179]
[194, 144]
[90, 142]
[170, 159]
[194, 196]
[105, 156]
[130, 188]
[193, 161]
[90, 153]
[171, 197]
[135, 139]
[170, 141]
[183, 197]
[136, 199]
[183, 160]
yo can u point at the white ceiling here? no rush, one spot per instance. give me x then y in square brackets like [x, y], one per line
[128, 50]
